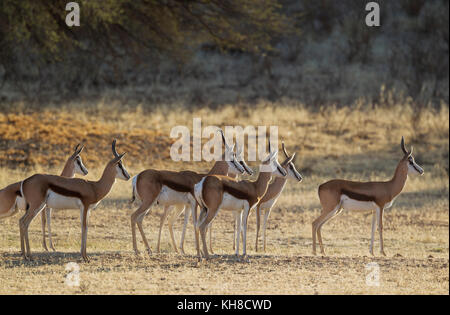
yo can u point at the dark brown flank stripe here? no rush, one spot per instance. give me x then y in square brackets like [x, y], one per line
[176, 186]
[357, 196]
[235, 192]
[65, 192]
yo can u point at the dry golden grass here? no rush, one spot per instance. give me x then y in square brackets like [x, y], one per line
[356, 142]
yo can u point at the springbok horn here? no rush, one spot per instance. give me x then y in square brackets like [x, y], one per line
[114, 148]
[291, 158]
[402, 144]
[284, 150]
[225, 141]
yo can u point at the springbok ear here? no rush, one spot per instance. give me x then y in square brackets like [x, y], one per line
[402, 145]
[411, 152]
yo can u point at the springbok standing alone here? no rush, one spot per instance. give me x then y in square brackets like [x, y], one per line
[74, 165]
[337, 195]
[11, 200]
[214, 193]
[174, 189]
[61, 192]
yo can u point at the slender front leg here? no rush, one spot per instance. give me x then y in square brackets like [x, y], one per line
[380, 230]
[187, 213]
[196, 230]
[161, 223]
[84, 230]
[43, 223]
[235, 228]
[49, 217]
[238, 232]
[175, 214]
[266, 217]
[374, 221]
[245, 214]
[22, 234]
[258, 224]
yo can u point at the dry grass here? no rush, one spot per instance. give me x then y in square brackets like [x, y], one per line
[354, 142]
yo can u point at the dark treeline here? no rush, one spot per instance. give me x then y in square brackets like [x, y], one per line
[208, 52]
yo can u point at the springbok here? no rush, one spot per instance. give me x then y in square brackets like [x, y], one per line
[174, 189]
[61, 192]
[274, 191]
[74, 165]
[214, 193]
[337, 195]
[11, 200]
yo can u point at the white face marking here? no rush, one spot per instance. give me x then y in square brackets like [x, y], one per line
[234, 167]
[79, 166]
[414, 169]
[121, 172]
[293, 173]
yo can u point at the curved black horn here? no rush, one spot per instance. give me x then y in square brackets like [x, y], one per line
[284, 150]
[292, 158]
[114, 148]
[76, 147]
[402, 144]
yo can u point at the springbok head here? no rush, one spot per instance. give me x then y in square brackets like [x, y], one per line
[413, 167]
[289, 166]
[75, 158]
[121, 172]
[234, 166]
[271, 165]
[240, 158]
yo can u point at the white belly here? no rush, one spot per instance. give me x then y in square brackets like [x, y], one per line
[169, 197]
[352, 204]
[57, 201]
[232, 203]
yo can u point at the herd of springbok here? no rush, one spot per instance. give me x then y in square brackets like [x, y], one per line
[185, 191]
